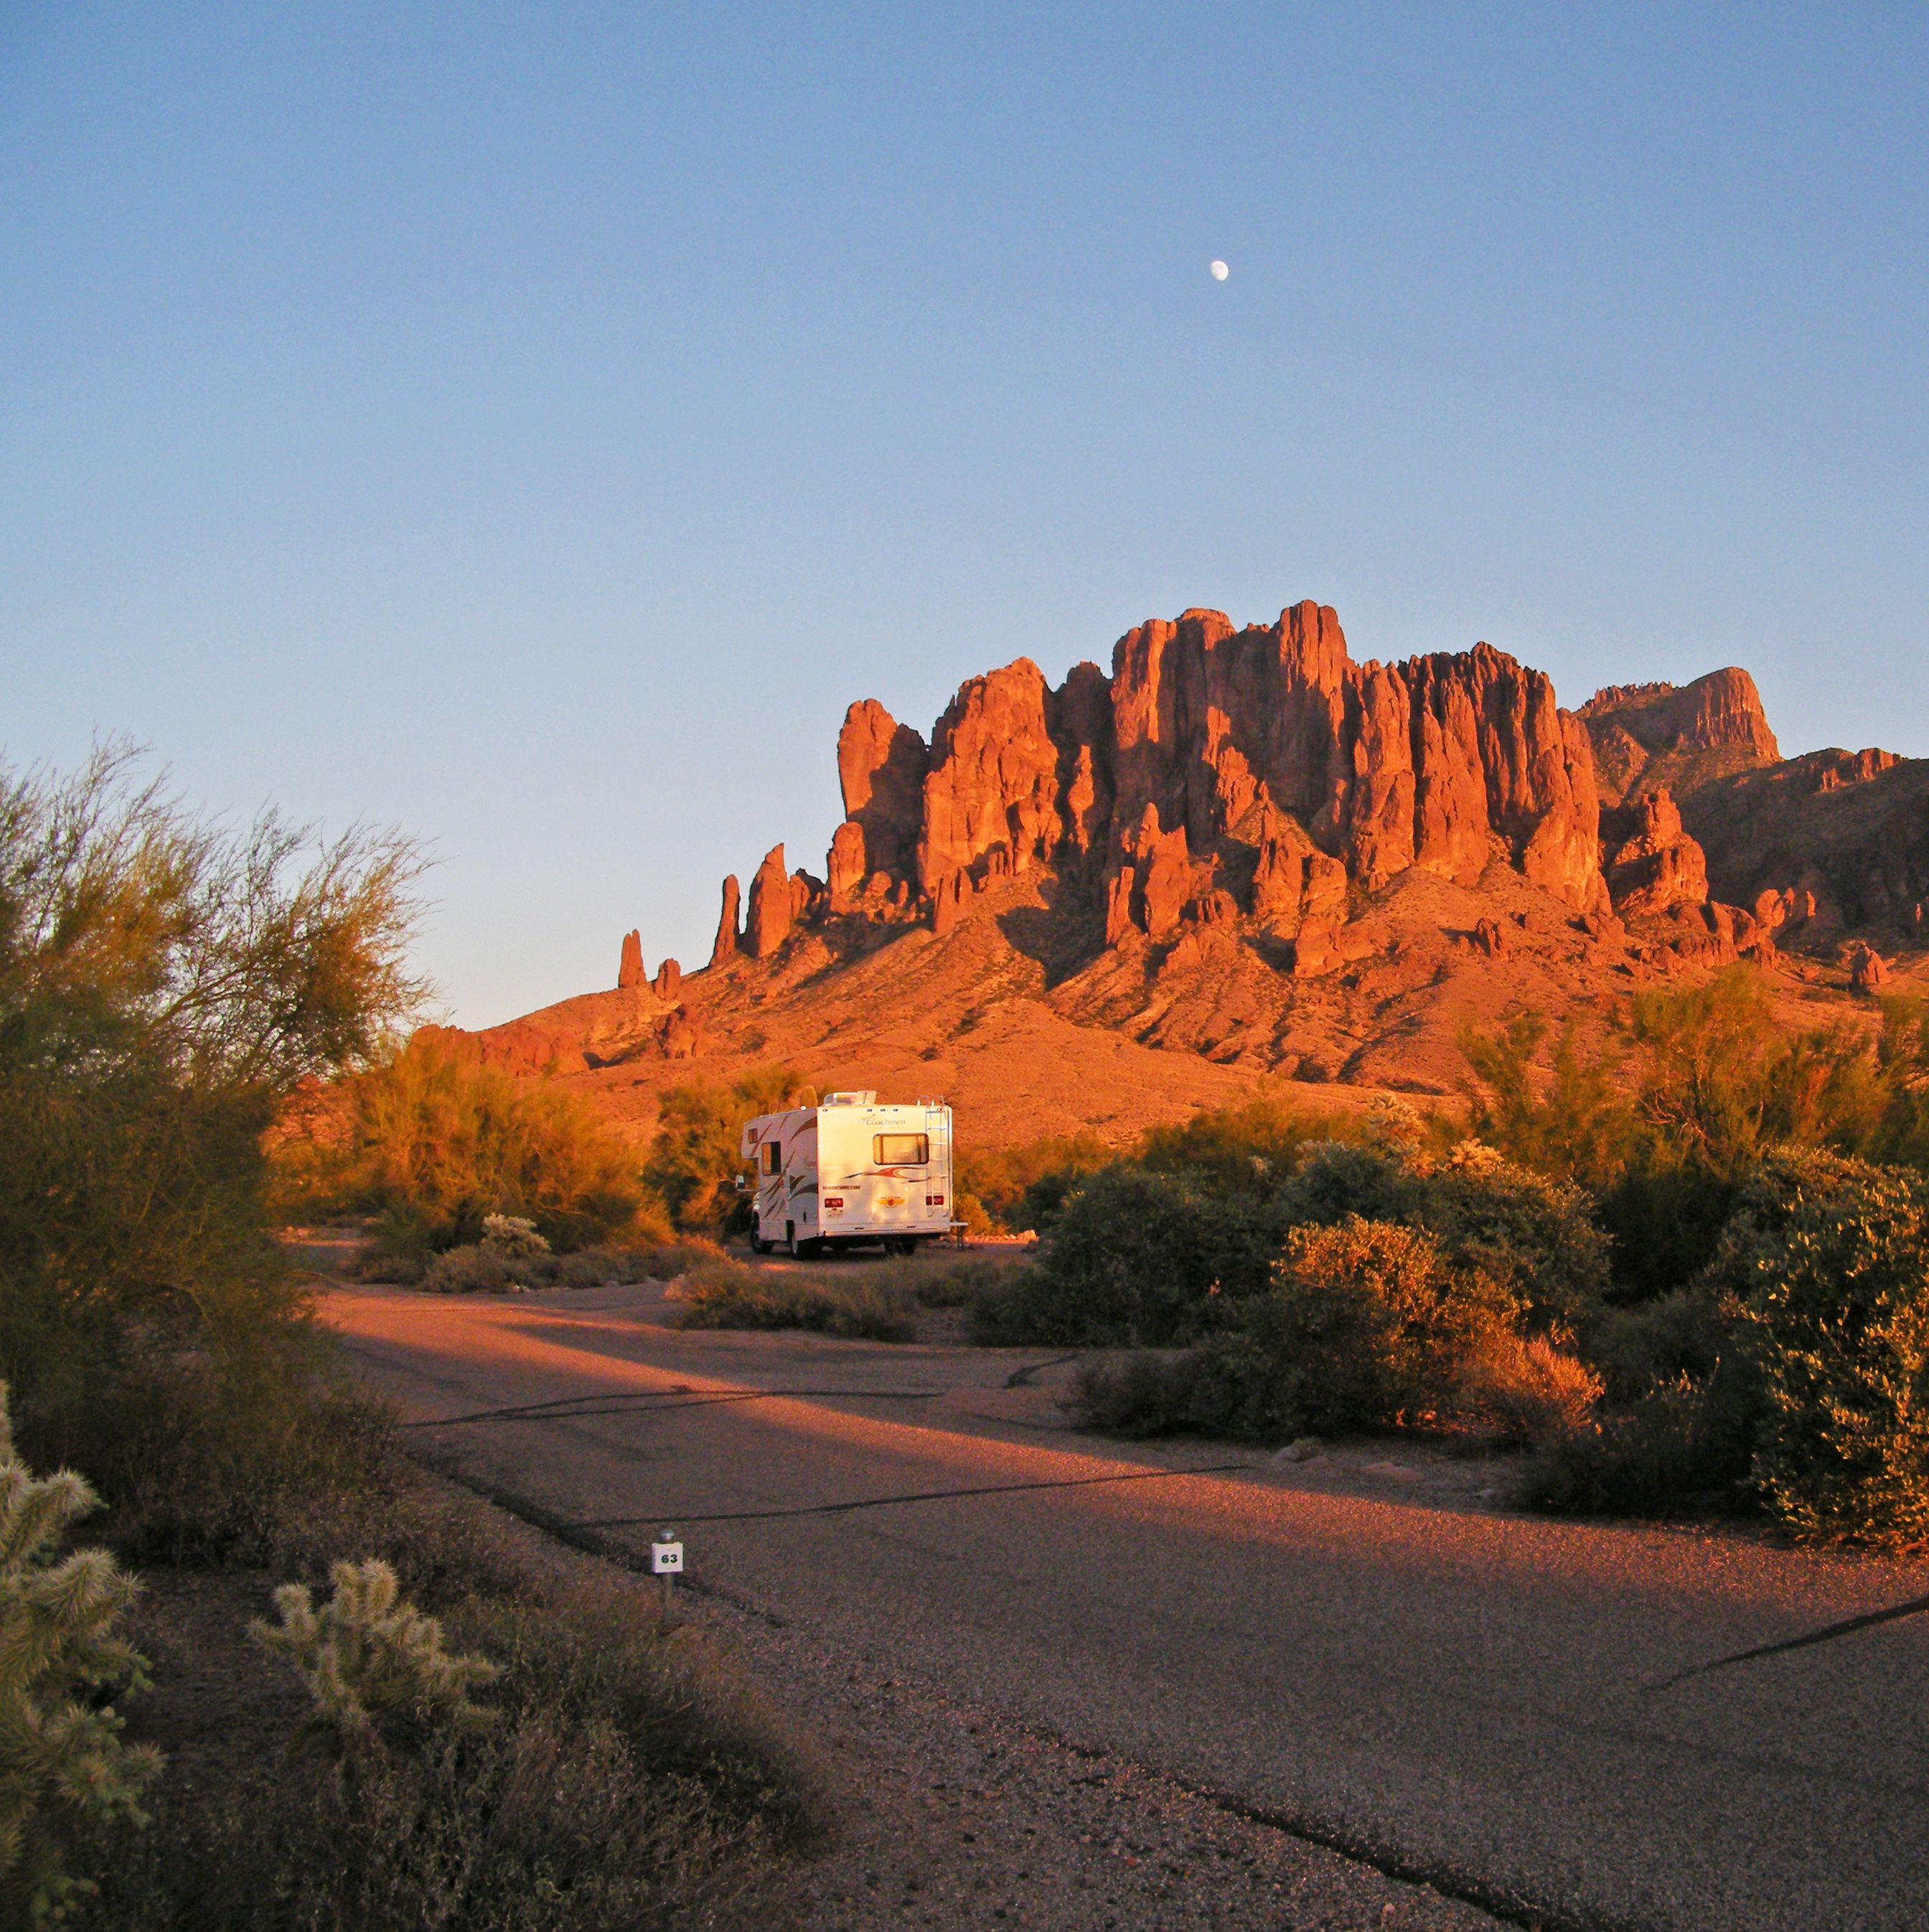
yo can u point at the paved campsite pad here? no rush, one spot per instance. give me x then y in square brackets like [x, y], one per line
[1462, 1693]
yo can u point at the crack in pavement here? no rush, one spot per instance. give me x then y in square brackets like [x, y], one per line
[567, 1409]
[1502, 1902]
[910, 1496]
[1827, 1633]
[1021, 1377]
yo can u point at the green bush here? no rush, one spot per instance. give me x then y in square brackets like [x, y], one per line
[1668, 1452]
[1243, 1149]
[1699, 1085]
[1367, 1327]
[725, 1295]
[1535, 1236]
[1013, 1189]
[165, 985]
[1826, 1267]
[1683, 1333]
[477, 1268]
[1135, 1259]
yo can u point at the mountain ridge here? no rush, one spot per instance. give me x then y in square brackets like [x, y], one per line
[1244, 847]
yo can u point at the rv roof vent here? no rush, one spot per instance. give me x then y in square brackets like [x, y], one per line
[868, 1098]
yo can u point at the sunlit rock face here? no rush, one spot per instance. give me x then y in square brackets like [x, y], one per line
[1260, 779]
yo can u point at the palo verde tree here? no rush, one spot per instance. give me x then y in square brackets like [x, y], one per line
[167, 981]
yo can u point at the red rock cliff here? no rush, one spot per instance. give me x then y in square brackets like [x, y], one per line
[1217, 773]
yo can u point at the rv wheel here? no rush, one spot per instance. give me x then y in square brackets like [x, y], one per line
[900, 1244]
[758, 1245]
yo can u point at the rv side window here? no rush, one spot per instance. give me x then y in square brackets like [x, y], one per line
[769, 1156]
[901, 1150]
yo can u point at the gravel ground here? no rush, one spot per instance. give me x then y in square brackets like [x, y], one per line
[954, 1817]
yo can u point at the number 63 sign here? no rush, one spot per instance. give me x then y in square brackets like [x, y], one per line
[666, 1557]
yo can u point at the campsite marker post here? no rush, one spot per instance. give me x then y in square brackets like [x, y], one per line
[666, 1560]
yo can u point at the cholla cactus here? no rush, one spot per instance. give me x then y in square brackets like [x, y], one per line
[510, 1235]
[1394, 1125]
[370, 1655]
[61, 1758]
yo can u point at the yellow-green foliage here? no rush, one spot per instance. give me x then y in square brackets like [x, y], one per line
[433, 1133]
[61, 1758]
[1707, 1076]
[694, 1162]
[163, 983]
[1233, 1149]
[1009, 1189]
[1696, 1087]
[370, 1658]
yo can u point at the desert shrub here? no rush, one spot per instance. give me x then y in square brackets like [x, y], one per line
[1365, 1327]
[546, 1825]
[1577, 1121]
[476, 1270]
[1670, 1450]
[724, 1295]
[1682, 1334]
[1010, 1190]
[1335, 1179]
[1369, 1325]
[1528, 1390]
[164, 984]
[694, 1163]
[1536, 1236]
[623, 1267]
[1902, 1061]
[438, 1142]
[493, 1268]
[632, 1778]
[675, 1696]
[1245, 1148]
[1137, 1259]
[940, 1280]
[1663, 1218]
[1702, 1084]
[1826, 1267]
[1147, 1392]
[207, 1459]
[61, 1758]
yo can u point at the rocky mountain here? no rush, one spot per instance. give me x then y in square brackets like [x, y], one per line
[1242, 847]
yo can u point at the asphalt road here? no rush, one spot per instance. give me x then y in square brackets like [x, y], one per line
[1464, 1694]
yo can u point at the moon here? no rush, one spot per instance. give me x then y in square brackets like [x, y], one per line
[1220, 271]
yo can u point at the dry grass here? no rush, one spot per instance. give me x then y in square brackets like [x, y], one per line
[635, 1780]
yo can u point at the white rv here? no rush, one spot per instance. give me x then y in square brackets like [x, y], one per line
[848, 1172]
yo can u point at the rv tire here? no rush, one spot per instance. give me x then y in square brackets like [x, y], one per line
[900, 1244]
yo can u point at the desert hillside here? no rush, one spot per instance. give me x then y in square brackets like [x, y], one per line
[1243, 857]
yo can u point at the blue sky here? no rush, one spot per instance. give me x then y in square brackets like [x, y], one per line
[534, 425]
